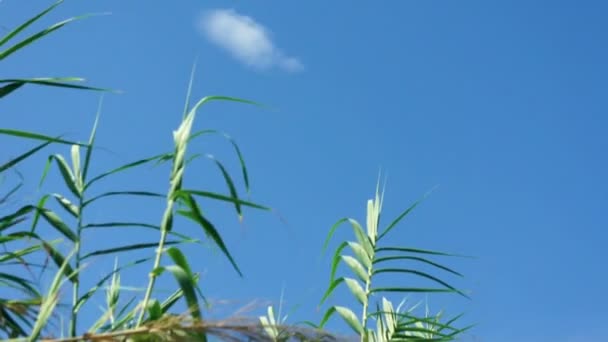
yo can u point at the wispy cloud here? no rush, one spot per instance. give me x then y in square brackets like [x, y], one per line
[247, 40]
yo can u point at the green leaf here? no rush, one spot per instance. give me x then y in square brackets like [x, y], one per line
[66, 173]
[139, 225]
[17, 254]
[196, 215]
[154, 310]
[336, 261]
[35, 136]
[123, 193]
[174, 297]
[236, 148]
[126, 167]
[50, 301]
[21, 284]
[423, 260]
[216, 196]
[356, 289]
[356, 267]
[87, 295]
[60, 261]
[373, 218]
[359, 233]
[187, 285]
[10, 326]
[120, 224]
[91, 144]
[220, 98]
[229, 183]
[67, 205]
[181, 261]
[189, 91]
[17, 236]
[16, 217]
[422, 275]
[122, 322]
[402, 215]
[11, 192]
[58, 82]
[410, 290]
[363, 239]
[360, 254]
[128, 248]
[38, 213]
[29, 40]
[9, 88]
[58, 224]
[11, 163]
[27, 23]
[325, 318]
[417, 251]
[331, 288]
[350, 318]
[76, 167]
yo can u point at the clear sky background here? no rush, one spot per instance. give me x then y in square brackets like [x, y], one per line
[501, 104]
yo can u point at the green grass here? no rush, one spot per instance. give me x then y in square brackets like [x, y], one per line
[30, 314]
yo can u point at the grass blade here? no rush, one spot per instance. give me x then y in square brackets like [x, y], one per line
[65, 203]
[331, 288]
[180, 260]
[417, 251]
[49, 302]
[21, 284]
[230, 183]
[123, 193]
[420, 274]
[9, 88]
[29, 40]
[27, 23]
[216, 196]
[66, 173]
[350, 318]
[236, 148]
[196, 215]
[126, 167]
[59, 82]
[403, 215]
[60, 261]
[356, 289]
[91, 144]
[336, 261]
[356, 267]
[87, 295]
[128, 248]
[36, 136]
[22, 157]
[56, 222]
[423, 260]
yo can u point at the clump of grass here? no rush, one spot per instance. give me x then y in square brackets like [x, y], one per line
[368, 259]
[25, 237]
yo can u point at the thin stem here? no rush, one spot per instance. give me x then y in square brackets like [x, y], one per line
[76, 284]
[75, 290]
[180, 137]
[368, 285]
[153, 275]
[164, 227]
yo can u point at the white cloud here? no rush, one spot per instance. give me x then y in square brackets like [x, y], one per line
[247, 40]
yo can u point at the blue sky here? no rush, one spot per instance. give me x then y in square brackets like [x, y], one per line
[500, 104]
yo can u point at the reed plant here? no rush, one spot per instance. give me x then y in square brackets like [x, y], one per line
[27, 236]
